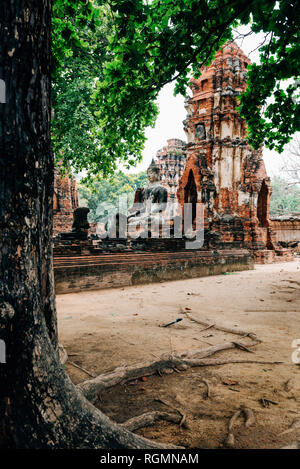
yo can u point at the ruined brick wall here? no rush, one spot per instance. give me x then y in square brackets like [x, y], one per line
[65, 201]
[93, 272]
[222, 171]
[286, 229]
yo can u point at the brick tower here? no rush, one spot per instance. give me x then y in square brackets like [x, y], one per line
[65, 201]
[222, 170]
[171, 161]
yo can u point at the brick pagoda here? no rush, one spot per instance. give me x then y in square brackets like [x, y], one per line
[65, 201]
[222, 170]
[171, 161]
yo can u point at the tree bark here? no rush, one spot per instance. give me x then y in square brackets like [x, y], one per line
[39, 405]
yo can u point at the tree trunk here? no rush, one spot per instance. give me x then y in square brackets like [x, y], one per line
[40, 407]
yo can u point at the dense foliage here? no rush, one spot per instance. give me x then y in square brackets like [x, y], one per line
[105, 194]
[116, 56]
[274, 122]
[76, 131]
[285, 197]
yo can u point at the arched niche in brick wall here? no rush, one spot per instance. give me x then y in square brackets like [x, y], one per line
[55, 202]
[191, 196]
[263, 205]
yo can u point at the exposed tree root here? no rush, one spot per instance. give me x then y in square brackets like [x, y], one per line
[150, 418]
[249, 416]
[208, 392]
[230, 440]
[182, 422]
[290, 385]
[63, 355]
[219, 328]
[82, 369]
[242, 347]
[293, 281]
[233, 419]
[165, 363]
[206, 328]
[249, 421]
[294, 427]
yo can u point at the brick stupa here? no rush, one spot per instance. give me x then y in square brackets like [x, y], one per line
[222, 170]
[65, 201]
[171, 160]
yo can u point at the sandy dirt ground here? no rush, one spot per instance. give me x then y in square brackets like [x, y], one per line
[104, 329]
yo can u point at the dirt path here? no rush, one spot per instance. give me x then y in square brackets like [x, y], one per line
[104, 329]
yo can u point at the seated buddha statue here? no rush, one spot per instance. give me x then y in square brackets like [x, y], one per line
[150, 202]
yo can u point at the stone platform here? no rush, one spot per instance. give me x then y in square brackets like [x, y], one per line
[84, 272]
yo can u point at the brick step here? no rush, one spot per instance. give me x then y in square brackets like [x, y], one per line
[68, 251]
[141, 260]
[185, 253]
[118, 270]
[136, 258]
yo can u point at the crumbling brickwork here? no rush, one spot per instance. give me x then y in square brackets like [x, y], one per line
[287, 230]
[90, 270]
[171, 161]
[65, 201]
[222, 171]
[218, 168]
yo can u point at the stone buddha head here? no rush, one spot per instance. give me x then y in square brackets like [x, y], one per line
[153, 173]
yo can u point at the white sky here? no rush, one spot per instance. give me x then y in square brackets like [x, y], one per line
[172, 113]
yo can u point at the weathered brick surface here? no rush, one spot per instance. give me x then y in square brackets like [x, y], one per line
[286, 228]
[287, 231]
[171, 161]
[74, 274]
[65, 201]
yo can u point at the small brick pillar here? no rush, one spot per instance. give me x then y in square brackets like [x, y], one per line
[65, 201]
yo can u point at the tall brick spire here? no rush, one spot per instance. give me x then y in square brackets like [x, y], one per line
[65, 201]
[171, 161]
[222, 170]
